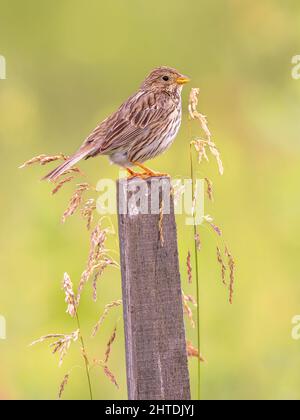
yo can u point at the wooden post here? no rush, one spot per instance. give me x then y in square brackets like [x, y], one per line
[156, 357]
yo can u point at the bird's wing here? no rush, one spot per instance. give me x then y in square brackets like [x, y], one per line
[135, 118]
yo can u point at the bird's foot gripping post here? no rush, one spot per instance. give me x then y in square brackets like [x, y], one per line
[147, 172]
[156, 355]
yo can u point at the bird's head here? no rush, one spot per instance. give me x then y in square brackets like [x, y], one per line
[165, 79]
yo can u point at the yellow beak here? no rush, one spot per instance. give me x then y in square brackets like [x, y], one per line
[182, 80]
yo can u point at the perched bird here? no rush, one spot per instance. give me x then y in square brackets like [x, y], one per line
[142, 128]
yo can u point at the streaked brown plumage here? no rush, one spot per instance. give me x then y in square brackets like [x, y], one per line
[142, 128]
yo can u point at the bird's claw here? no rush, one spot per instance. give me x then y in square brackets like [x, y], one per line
[146, 175]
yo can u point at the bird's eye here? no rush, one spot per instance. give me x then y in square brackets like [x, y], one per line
[165, 78]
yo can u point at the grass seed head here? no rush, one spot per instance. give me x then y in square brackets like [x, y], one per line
[107, 309]
[63, 386]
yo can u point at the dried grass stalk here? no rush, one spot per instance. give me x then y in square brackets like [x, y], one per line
[223, 266]
[187, 310]
[60, 346]
[43, 160]
[99, 268]
[97, 242]
[209, 189]
[74, 171]
[193, 352]
[88, 212]
[199, 143]
[200, 147]
[189, 267]
[63, 385]
[198, 241]
[109, 345]
[75, 200]
[85, 356]
[177, 191]
[70, 295]
[62, 183]
[97, 262]
[208, 219]
[191, 299]
[194, 200]
[108, 373]
[195, 114]
[107, 309]
[231, 264]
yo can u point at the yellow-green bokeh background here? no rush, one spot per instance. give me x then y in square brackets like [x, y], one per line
[69, 64]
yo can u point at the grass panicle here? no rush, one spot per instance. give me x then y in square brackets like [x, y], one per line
[75, 200]
[61, 184]
[189, 267]
[186, 299]
[203, 145]
[98, 260]
[107, 309]
[199, 143]
[209, 189]
[104, 363]
[63, 385]
[231, 264]
[109, 345]
[208, 219]
[43, 160]
[61, 344]
[88, 211]
[198, 241]
[223, 266]
[193, 352]
[70, 295]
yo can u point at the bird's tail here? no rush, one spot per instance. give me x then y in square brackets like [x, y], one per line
[68, 164]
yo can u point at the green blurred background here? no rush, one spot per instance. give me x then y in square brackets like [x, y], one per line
[69, 64]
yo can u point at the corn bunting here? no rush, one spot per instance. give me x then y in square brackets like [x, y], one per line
[142, 128]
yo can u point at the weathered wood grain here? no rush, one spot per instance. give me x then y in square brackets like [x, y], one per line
[156, 356]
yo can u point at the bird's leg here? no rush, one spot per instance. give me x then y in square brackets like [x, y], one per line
[132, 174]
[148, 172]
